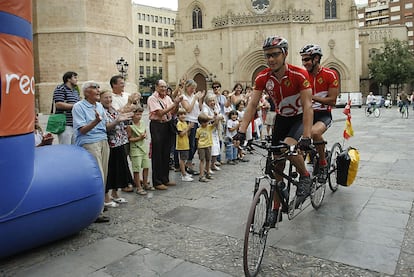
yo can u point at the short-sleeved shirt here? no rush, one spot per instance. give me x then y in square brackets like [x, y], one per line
[182, 142]
[155, 103]
[138, 148]
[230, 124]
[119, 100]
[205, 136]
[65, 94]
[83, 113]
[192, 116]
[322, 82]
[286, 93]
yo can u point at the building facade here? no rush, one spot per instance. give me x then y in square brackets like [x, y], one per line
[80, 36]
[379, 20]
[389, 13]
[222, 40]
[153, 31]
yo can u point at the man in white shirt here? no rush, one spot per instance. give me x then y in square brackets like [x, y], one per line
[119, 96]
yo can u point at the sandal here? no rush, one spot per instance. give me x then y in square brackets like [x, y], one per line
[149, 188]
[141, 191]
[129, 188]
[119, 200]
[111, 204]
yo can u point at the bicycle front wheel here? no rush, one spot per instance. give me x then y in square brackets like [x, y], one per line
[335, 151]
[317, 189]
[406, 113]
[367, 111]
[377, 112]
[255, 235]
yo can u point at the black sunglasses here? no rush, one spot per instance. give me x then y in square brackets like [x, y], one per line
[306, 59]
[273, 55]
[214, 87]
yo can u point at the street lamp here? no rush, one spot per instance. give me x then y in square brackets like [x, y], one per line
[122, 66]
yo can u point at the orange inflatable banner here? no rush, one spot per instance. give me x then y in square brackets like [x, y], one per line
[16, 69]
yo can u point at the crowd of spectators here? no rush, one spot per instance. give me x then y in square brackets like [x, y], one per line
[186, 127]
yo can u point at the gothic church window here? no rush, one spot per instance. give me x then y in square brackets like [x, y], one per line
[330, 9]
[197, 18]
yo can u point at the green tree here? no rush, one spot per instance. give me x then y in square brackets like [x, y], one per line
[394, 65]
[149, 81]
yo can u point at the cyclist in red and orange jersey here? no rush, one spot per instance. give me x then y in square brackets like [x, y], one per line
[325, 84]
[291, 91]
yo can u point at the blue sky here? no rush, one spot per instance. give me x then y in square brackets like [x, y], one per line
[172, 4]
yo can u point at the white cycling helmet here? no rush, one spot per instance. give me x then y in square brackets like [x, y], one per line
[276, 42]
[311, 49]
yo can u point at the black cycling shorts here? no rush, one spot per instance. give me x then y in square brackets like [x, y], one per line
[324, 117]
[291, 126]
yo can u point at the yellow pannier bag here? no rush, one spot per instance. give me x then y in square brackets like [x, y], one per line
[347, 164]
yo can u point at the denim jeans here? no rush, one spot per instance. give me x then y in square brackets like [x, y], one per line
[231, 151]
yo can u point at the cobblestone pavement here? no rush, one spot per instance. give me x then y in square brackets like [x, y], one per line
[151, 222]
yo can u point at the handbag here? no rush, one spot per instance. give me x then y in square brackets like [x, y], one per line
[56, 123]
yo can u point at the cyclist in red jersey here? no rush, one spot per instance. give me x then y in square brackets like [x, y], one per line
[325, 84]
[291, 91]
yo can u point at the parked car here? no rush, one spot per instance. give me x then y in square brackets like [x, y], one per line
[344, 97]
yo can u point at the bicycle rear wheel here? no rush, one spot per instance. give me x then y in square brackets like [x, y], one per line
[335, 151]
[377, 112]
[406, 113]
[255, 235]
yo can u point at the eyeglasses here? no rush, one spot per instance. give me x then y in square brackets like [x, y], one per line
[93, 86]
[273, 55]
[306, 59]
[214, 87]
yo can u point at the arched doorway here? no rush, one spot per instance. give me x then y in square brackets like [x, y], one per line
[260, 68]
[201, 82]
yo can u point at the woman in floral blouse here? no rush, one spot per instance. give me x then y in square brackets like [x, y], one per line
[119, 175]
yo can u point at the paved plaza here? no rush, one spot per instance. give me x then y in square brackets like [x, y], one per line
[196, 229]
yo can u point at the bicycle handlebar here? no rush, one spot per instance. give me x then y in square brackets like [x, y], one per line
[282, 147]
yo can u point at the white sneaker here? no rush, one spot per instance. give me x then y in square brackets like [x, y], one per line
[216, 168]
[210, 172]
[186, 178]
[189, 175]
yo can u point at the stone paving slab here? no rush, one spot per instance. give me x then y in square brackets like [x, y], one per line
[327, 242]
[85, 261]
[357, 226]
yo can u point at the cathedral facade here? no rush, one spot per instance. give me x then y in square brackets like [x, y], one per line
[222, 40]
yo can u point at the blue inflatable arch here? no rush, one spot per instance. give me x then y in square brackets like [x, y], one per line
[48, 192]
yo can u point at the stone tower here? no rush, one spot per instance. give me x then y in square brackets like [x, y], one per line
[85, 36]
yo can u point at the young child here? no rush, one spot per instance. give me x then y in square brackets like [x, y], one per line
[212, 110]
[231, 131]
[204, 136]
[139, 151]
[182, 143]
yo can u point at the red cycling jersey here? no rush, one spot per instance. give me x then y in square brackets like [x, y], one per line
[286, 93]
[326, 78]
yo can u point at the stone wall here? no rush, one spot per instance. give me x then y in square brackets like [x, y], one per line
[82, 36]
